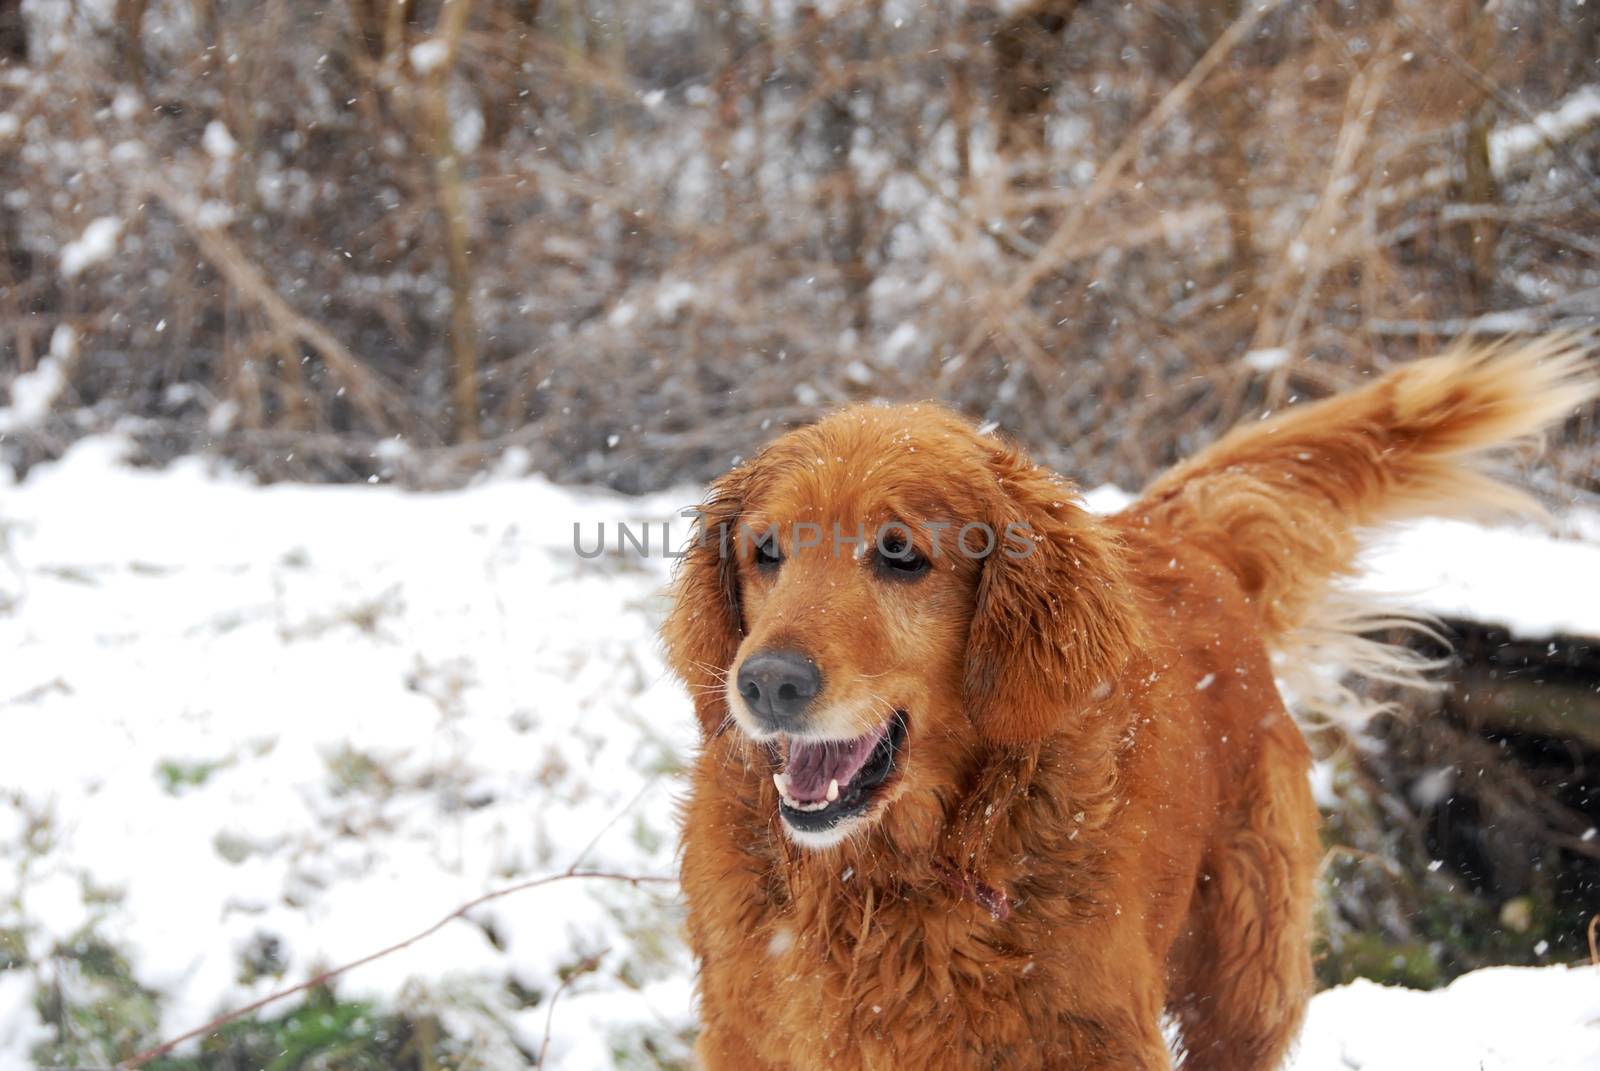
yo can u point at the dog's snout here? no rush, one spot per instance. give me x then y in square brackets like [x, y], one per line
[778, 686]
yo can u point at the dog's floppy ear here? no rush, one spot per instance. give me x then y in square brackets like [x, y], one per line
[705, 625]
[1054, 626]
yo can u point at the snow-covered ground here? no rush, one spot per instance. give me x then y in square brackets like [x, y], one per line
[317, 719]
[1498, 1019]
[286, 726]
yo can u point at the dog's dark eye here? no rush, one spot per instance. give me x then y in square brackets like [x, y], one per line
[767, 556]
[898, 560]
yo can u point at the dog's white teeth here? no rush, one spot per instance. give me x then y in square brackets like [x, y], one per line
[833, 790]
[781, 782]
[796, 805]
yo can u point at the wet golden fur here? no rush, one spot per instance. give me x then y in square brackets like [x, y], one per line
[1094, 732]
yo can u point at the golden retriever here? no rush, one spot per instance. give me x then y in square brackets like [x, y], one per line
[990, 781]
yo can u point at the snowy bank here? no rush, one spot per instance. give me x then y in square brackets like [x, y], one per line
[1498, 1019]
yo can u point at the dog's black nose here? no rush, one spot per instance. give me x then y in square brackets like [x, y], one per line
[777, 686]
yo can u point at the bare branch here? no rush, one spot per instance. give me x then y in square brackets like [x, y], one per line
[327, 976]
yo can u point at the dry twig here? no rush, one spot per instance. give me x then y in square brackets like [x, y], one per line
[324, 977]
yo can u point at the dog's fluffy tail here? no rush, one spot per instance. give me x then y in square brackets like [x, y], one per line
[1283, 502]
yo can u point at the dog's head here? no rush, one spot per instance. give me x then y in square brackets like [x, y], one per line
[880, 597]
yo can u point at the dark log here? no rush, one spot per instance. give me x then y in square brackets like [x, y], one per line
[1545, 685]
[1488, 700]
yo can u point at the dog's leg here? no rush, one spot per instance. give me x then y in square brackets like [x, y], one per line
[1245, 976]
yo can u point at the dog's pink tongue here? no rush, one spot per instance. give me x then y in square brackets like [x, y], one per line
[812, 764]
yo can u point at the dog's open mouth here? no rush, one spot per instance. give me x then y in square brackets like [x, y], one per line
[826, 781]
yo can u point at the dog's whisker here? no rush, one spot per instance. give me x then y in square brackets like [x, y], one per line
[720, 672]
